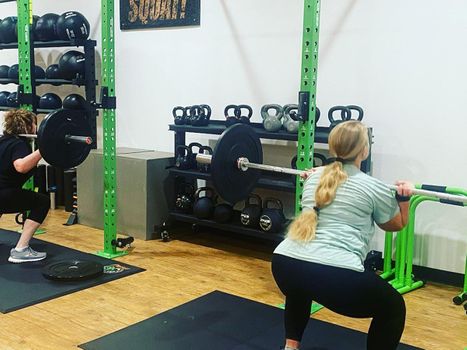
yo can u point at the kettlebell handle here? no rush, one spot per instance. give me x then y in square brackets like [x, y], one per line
[266, 108]
[195, 144]
[275, 201]
[354, 108]
[185, 148]
[207, 110]
[345, 114]
[205, 189]
[175, 112]
[254, 196]
[205, 148]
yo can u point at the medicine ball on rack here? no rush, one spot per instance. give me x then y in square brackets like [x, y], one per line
[4, 98]
[50, 101]
[12, 100]
[71, 64]
[7, 30]
[39, 72]
[74, 101]
[4, 71]
[72, 25]
[46, 28]
[53, 72]
[13, 72]
[204, 206]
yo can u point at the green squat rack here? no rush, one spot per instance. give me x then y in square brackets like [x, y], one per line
[403, 280]
[109, 132]
[307, 95]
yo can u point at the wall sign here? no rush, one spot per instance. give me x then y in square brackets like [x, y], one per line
[138, 14]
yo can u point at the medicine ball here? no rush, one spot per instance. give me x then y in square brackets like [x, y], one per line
[71, 64]
[7, 30]
[12, 100]
[4, 98]
[50, 101]
[13, 72]
[72, 25]
[39, 72]
[53, 72]
[4, 71]
[74, 101]
[46, 27]
[34, 22]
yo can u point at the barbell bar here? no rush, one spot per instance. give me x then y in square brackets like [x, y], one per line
[68, 138]
[228, 167]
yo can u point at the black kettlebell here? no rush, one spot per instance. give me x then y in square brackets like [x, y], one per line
[223, 213]
[345, 114]
[179, 114]
[232, 118]
[193, 163]
[200, 115]
[183, 157]
[184, 200]
[351, 108]
[252, 211]
[203, 207]
[188, 115]
[205, 168]
[245, 113]
[272, 220]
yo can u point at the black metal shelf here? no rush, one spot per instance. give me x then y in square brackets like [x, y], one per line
[232, 227]
[268, 181]
[78, 82]
[217, 127]
[50, 44]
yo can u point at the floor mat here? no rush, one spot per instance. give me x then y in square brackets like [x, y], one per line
[223, 321]
[24, 285]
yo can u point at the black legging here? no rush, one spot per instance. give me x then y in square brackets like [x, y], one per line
[16, 200]
[347, 292]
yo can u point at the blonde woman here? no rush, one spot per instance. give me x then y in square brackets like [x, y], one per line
[17, 165]
[322, 257]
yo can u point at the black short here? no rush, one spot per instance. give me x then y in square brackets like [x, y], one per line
[16, 200]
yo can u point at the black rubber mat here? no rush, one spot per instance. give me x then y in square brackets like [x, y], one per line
[223, 321]
[24, 285]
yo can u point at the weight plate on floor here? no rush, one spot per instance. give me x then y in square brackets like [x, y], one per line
[72, 270]
[232, 184]
[51, 138]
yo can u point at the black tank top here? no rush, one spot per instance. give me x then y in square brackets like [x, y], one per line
[11, 149]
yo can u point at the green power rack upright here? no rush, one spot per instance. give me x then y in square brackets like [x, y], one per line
[307, 96]
[109, 131]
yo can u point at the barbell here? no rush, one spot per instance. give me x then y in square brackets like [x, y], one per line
[63, 138]
[236, 166]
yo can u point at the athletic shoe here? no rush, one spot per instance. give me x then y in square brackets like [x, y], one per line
[27, 255]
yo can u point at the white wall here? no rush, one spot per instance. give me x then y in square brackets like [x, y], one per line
[403, 61]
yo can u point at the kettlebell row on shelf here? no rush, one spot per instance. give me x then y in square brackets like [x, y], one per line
[196, 115]
[46, 101]
[204, 205]
[275, 117]
[185, 157]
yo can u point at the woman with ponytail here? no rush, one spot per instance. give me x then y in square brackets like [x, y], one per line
[322, 257]
[17, 164]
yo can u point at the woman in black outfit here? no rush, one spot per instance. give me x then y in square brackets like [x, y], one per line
[17, 164]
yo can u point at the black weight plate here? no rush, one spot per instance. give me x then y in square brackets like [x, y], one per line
[51, 138]
[231, 183]
[72, 270]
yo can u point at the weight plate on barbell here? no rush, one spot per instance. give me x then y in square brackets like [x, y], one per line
[51, 138]
[72, 270]
[232, 184]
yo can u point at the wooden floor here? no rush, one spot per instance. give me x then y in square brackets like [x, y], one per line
[181, 270]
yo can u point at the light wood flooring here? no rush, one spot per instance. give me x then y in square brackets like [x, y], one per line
[188, 266]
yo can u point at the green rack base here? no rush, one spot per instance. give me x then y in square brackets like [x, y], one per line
[107, 255]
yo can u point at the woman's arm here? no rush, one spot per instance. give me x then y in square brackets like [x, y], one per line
[398, 222]
[24, 165]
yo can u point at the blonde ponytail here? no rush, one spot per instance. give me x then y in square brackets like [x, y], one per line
[347, 141]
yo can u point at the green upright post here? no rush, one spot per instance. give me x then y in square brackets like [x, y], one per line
[309, 77]
[109, 137]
